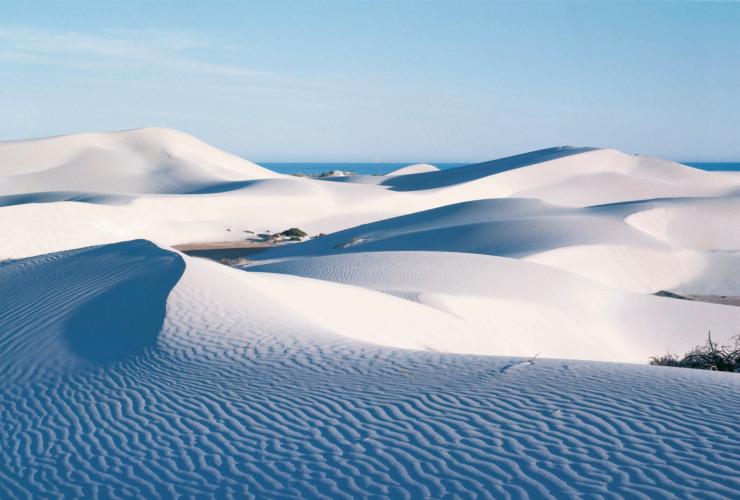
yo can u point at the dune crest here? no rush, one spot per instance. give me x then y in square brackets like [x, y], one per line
[140, 161]
[89, 306]
[404, 349]
[416, 168]
[243, 394]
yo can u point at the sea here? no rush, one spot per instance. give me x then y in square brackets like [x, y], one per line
[314, 168]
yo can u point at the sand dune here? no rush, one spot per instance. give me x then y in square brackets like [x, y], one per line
[91, 305]
[507, 227]
[507, 306]
[372, 360]
[417, 168]
[235, 396]
[439, 179]
[222, 196]
[141, 161]
[606, 244]
[579, 178]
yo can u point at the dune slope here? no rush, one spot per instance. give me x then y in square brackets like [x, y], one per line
[502, 306]
[141, 161]
[237, 398]
[375, 359]
[97, 305]
[445, 178]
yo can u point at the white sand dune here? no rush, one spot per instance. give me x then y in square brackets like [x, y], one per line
[373, 360]
[704, 224]
[238, 394]
[469, 173]
[141, 161]
[227, 195]
[574, 177]
[606, 244]
[507, 226]
[416, 168]
[84, 306]
[497, 306]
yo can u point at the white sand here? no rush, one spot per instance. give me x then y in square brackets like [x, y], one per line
[236, 384]
[235, 195]
[684, 240]
[416, 168]
[331, 368]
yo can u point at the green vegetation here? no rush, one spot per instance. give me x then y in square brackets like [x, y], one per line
[293, 232]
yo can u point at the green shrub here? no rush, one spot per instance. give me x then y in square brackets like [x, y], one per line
[293, 232]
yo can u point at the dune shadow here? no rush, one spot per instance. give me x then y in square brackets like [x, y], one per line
[467, 173]
[222, 187]
[10, 200]
[126, 318]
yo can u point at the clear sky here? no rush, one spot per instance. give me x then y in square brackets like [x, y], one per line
[380, 81]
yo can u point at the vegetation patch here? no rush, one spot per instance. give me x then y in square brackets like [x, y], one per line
[710, 356]
[292, 234]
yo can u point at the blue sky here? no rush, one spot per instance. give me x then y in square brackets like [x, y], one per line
[380, 81]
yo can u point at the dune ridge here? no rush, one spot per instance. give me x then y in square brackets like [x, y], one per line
[237, 398]
[175, 189]
[437, 340]
[140, 161]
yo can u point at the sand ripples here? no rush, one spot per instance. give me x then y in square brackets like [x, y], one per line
[236, 401]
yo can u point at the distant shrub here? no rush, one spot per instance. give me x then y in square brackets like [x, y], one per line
[666, 359]
[293, 232]
[710, 356]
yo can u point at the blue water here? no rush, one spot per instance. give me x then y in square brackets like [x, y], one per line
[315, 168]
[716, 166]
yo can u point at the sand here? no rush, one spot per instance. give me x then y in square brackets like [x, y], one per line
[460, 332]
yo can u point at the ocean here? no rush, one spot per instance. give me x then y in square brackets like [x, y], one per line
[315, 168]
[721, 166]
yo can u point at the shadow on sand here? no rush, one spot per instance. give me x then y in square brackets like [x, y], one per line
[126, 318]
[467, 173]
